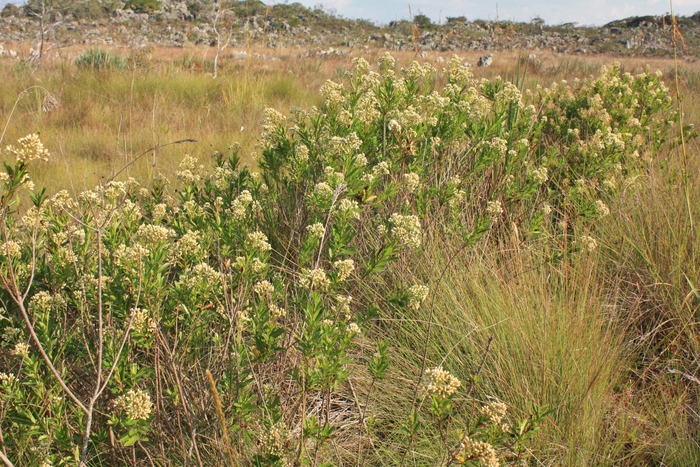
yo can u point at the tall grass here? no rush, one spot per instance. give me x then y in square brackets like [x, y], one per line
[107, 116]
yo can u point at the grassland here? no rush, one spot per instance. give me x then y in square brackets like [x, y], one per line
[607, 339]
[107, 118]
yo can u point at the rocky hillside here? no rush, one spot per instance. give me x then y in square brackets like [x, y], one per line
[180, 23]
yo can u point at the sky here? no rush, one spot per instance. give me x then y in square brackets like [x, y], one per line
[583, 12]
[587, 12]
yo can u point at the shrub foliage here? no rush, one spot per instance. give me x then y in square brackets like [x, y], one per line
[218, 318]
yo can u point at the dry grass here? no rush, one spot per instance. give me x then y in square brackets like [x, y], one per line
[106, 119]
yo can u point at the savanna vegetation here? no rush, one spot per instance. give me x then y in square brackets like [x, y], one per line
[356, 263]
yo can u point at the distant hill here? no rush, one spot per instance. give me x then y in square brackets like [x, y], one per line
[182, 23]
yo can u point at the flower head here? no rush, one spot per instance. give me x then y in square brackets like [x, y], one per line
[30, 149]
[406, 229]
[441, 383]
[136, 403]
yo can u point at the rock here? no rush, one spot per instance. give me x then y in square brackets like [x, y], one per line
[485, 60]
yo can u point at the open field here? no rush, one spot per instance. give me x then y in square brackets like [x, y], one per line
[365, 283]
[105, 119]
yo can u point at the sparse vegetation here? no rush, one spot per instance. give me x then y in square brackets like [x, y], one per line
[142, 6]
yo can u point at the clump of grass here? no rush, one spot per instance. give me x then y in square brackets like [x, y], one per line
[99, 59]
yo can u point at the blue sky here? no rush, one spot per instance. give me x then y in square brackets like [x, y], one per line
[596, 12]
[586, 12]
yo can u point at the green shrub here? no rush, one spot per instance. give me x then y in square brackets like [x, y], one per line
[98, 59]
[10, 10]
[142, 6]
[230, 316]
[422, 21]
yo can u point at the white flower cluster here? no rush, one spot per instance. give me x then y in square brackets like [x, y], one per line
[588, 243]
[387, 62]
[406, 229]
[258, 242]
[333, 92]
[323, 190]
[333, 178]
[367, 109]
[348, 207]
[264, 289]
[601, 208]
[30, 149]
[353, 328]
[241, 205]
[274, 440]
[151, 235]
[254, 264]
[416, 295]
[302, 152]
[277, 312]
[345, 268]
[40, 302]
[417, 71]
[441, 383]
[361, 65]
[540, 175]
[316, 230]
[495, 411]
[456, 72]
[188, 245]
[342, 306]
[221, 178]
[129, 255]
[63, 201]
[189, 171]
[7, 379]
[315, 278]
[344, 145]
[394, 126]
[272, 120]
[412, 181]
[510, 94]
[10, 249]
[201, 274]
[136, 403]
[470, 450]
[142, 322]
[494, 208]
[21, 350]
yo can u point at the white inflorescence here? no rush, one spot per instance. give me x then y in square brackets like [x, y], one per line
[30, 149]
[495, 411]
[441, 383]
[601, 208]
[406, 229]
[315, 278]
[416, 296]
[588, 243]
[470, 449]
[258, 241]
[316, 230]
[136, 403]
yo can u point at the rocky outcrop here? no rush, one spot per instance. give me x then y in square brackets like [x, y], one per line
[181, 23]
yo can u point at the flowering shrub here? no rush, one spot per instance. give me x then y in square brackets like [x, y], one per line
[118, 301]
